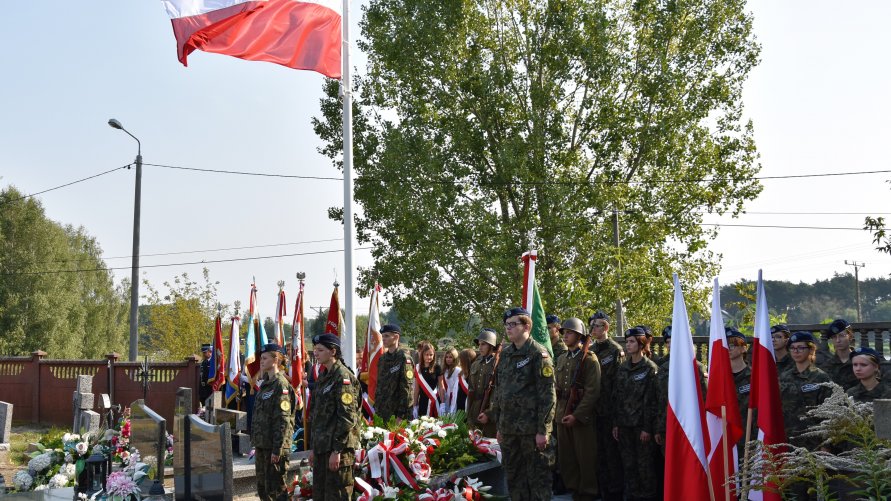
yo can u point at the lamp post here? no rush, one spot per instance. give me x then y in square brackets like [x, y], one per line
[134, 276]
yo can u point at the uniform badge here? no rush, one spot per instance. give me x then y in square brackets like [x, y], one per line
[409, 374]
[547, 371]
[607, 360]
[285, 405]
[347, 398]
[807, 388]
[394, 369]
[346, 382]
[744, 389]
[639, 377]
[523, 363]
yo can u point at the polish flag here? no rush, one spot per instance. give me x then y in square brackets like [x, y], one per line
[686, 466]
[299, 34]
[765, 393]
[374, 344]
[722, 410]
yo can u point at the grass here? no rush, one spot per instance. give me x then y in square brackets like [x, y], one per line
[18, 443]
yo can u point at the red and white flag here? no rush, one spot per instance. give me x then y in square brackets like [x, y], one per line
[685, 449]
[374, 345]
[279, 324]
[335, 319]
[765, 394]
[722, 410]
[298, 349]
[299, 34]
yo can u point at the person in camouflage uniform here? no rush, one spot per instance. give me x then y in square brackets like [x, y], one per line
[335, 423]
[609, 356]
[523, 409]
[273, 425]
[801, 388]
[635, 416]
[557, 344]
[481, 373]
[662, 389]
[780, 334]
[869, 386]
[838, 366]
[574, 420]
[737, 346]
[395, 378]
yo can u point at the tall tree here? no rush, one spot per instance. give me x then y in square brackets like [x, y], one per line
[485, 127]
[56, 294]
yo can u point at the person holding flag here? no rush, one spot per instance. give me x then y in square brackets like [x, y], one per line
[395, 378]
[662, 388]
[742, 379]
[233, 375]
[206, 389]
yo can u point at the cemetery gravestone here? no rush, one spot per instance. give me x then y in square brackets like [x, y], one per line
[148, 434]
[183, 401]
[882, 418]
[241, 442]
[202, 460]
[5, 425]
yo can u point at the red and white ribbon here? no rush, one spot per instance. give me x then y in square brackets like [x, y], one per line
[383, 459]
[437, 495]
[488, 446]
[368, 492]
[432, 400]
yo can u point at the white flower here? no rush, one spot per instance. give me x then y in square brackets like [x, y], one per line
[409, 433]
[414, 422]
[58, 480]
[68, 458]
[22, 481]
[41, 462]
[390, 492]
[441, 433]
[81, 448]
[66, 437]
[68, 469]
[367, 435]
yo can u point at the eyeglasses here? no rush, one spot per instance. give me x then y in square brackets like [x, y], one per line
[598, 324]
[799, 348]
[511, 325]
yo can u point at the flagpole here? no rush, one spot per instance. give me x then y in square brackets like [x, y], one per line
[349, 334]
[726, 452]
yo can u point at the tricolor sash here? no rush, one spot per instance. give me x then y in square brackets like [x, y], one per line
[432, 400]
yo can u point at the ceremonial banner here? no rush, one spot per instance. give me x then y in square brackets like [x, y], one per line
[374, 345]
[532, 302]
[217, 373]
[335, 319]
[298, 348]
[233, 377]
[254, 340]
[278, 321]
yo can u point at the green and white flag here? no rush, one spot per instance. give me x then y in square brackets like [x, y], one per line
[532, 302]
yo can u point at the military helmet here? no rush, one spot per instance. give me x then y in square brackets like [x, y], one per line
[487, 336]
[575, 325]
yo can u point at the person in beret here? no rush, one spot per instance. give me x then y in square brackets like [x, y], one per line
[206, 389]
[869, 385]
[779, 334]
[557, 344]
[610, 356]
[272, 425]
[838, 365]
[523, 409]
[335, 422]
[395, 378]
[737, 347]
[662, 389]
[802, 387]
[481, 375]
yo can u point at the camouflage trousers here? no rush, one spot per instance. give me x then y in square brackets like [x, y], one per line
[330, 485]
[609, 462]
[576, 457]
[271, 484]
[527, 470]
[640, 458]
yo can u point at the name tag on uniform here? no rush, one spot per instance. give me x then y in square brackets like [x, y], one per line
[639, 377]
[744, 389]
[523, 363]
[807, 388]
[266, 395]
[328, 388]
[607, 360]
[395, 368]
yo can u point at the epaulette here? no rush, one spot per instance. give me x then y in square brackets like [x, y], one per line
[545, 354]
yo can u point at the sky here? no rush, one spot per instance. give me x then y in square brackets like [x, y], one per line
[818, 100]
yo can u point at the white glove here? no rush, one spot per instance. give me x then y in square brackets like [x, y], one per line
[244, 378]
[414, 412]
[443, 409]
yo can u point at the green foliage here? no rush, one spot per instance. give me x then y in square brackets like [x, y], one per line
[880, 235]
[483, 128]
[52, 439]
[44, 305]
[455, 451]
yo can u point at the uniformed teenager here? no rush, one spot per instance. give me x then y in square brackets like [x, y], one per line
[838, 365]
[395, 378]
[610, 356]
[335, 422]
[557, 344]
[206, 390]
[780, 335]
[737, 346]
[802, 388]
[558, 347]
[523, 409]
[273, 425]
[635, 416]
[577, 382]
[482, 372]
[869, 385]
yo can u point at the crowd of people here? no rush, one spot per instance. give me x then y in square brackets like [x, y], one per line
[595, 405]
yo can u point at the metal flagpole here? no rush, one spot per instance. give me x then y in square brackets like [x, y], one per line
[348, 340]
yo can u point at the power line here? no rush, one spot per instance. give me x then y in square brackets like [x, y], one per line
[66, 184]
[254, 258]
[244, 173]
[781, 227]
[820, 213]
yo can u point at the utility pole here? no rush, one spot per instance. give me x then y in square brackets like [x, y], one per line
[620, 313]
[857, 267]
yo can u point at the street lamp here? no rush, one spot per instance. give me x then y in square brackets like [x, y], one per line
[134, 276]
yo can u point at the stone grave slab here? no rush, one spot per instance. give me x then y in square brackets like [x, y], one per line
[202, 460]
[84, 384]
[89, 421]
[183, 404]
[148, 434]
[5, 424]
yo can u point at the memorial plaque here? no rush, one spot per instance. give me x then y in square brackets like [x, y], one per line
[148, 434]
[202, 460]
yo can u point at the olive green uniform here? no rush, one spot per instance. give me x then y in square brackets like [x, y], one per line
[662, 394]
[481, 372]
[335, 429]
[395, 379]
[799, 391]
[577, 445]
[860, 394]
[743, 382]
[558, 347]
[522, 407]
[272, 427]
[609, 463]
[635, 413]
[842, 373]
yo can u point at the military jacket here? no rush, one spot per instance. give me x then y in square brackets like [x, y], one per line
[272, 424]
[335, 411]
[860, 394]
[395, 380]
[636, 395]
[587, 382]
[800, 391]
[743, 382]
[611, 356]
[558, 347]
[784, 364]
[662, 391]
[480, 374]
[524, 400]
[842, 373]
